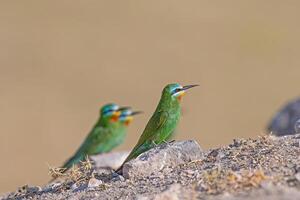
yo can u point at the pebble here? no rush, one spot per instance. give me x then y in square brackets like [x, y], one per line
[93, 182]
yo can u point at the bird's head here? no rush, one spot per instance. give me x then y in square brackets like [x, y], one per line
[297, 126]
[175, 91]
[127, 114]
[110, 112]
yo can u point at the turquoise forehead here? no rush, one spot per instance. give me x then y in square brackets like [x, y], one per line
[173, 86]
[109, 107]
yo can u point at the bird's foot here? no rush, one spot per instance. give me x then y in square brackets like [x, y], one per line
[168, 142]
[172, 141]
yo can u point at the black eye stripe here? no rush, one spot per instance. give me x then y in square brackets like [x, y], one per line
[176, 90]
[107, 111]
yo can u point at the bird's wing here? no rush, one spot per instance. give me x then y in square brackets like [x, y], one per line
[96, 139]
[155, 123]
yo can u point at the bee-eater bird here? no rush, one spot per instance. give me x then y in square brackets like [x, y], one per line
[107, 133]
[162, 123]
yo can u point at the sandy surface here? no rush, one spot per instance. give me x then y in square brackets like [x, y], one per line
[262, 168]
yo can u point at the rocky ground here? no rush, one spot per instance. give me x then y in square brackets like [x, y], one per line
[264, 168]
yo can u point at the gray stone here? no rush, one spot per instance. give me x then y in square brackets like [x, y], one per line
[170, 194]
[112, 160]
[297, 126]
[173, 192]
[93, 182]
[297, 176]
[165, 155]
[283, 123]
[272, 193]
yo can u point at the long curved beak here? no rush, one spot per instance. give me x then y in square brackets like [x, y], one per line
[186, 87]
[124, 108]
[136, 113]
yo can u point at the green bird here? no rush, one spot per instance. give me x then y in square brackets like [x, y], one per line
[107, 133]
[162, 123]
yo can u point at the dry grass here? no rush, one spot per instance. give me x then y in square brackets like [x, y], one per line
[76, 173]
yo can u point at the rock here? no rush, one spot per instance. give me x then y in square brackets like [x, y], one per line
[297, 126]
[51, 187]
[170, 194]
[26, 189]
[34, 189]
[173, 192]
[297, 176]
[93, 182]
[283, 123]
[117, 177]
[274, 176]
[165, 155]
[77, 187]
[272, 193]
[112, 160]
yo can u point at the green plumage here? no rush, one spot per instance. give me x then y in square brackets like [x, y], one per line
[162, 123]
[172, 136]
[105, 135]
[101, 139]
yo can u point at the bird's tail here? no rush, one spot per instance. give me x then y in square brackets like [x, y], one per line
[73, 161]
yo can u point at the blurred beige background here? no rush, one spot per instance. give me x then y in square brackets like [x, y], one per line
[61, 60]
